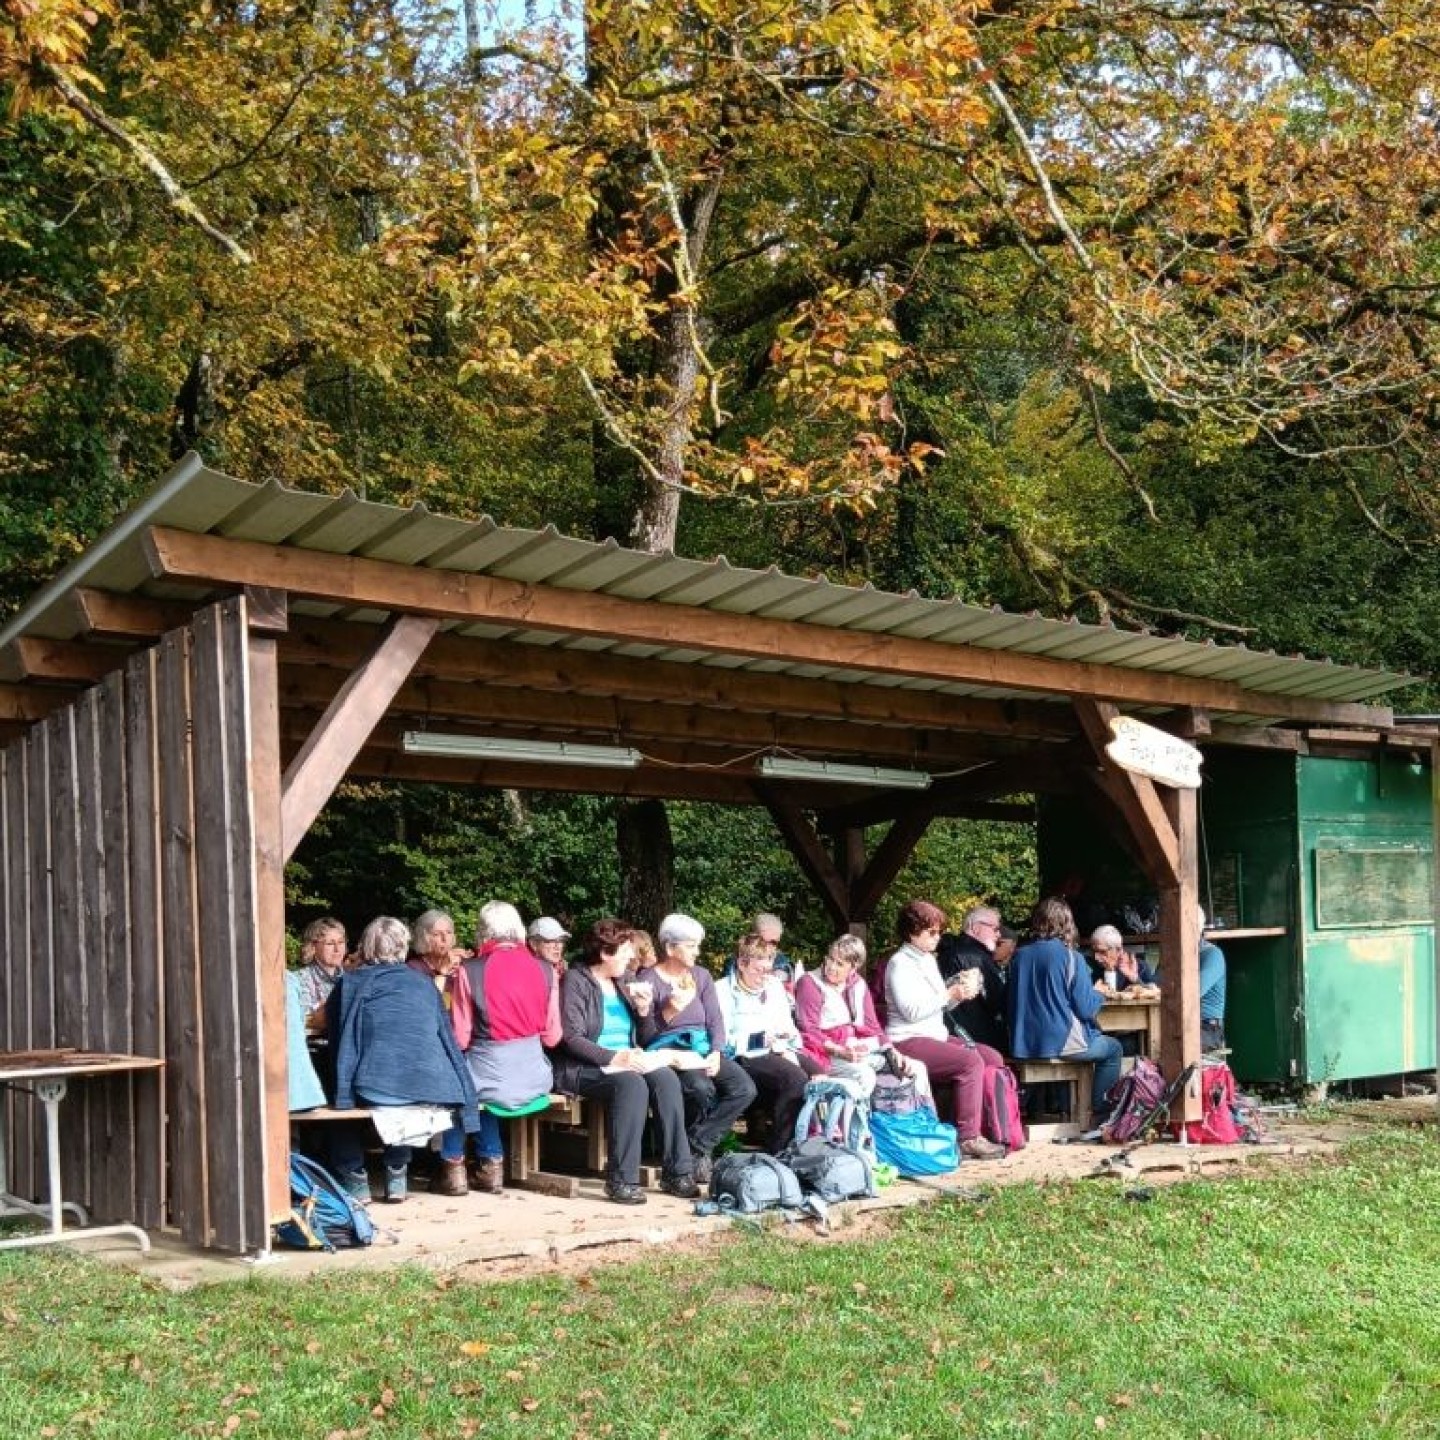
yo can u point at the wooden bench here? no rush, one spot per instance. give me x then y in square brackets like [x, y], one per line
[1078, 1075]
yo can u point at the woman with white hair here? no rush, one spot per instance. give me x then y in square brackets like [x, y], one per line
[1108, 952]
[512, 1012]
[686, 1015]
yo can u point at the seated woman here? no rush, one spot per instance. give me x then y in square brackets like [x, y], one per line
[598, 1057]
[394, 1046]
[838, 1025]
[763, 1038]
[1052, 1003]
[686, 1012]
[916, 1000]
[513, 1012]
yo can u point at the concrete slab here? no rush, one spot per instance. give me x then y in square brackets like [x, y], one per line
[519, 1230]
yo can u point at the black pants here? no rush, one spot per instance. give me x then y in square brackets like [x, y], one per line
[780, 1084]
[629, 1098]
[713, 1105]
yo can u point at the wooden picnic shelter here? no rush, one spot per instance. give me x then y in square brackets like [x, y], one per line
[177, 707]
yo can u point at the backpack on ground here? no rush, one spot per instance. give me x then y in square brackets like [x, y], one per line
[1133, 1100]
[322, 1215]
[1216, 1125]
[1000, 1109]
[830, 1171]
[835, 1110]
[894, 1094]
[917, 1143]
[748, 1182]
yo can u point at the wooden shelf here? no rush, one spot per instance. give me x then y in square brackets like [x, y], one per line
[1257, 932]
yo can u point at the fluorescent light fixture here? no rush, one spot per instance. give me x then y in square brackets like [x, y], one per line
[529, 752]
[785, 767]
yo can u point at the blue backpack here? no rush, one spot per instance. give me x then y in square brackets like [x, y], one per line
[322, 1215]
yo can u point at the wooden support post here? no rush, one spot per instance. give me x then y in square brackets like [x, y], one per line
[887, 862]
[1435, 893]
[270, 915]
[345, 726]
[1180, 954]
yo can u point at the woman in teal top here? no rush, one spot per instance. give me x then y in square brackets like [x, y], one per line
[599, 1058]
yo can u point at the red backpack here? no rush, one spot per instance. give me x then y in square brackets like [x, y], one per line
[1216, 1125]
[1000, 1109]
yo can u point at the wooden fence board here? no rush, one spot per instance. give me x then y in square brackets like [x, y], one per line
[147, 1003]
[184, 1031]
[21, 866]
[42, 927]
[216, 921]
[251, 1047]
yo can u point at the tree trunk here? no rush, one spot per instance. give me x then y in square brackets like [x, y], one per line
[647, 862]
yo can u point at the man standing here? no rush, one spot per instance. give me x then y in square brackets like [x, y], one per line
[983, 1017]
[1212, 992]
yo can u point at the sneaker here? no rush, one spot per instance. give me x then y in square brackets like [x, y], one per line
[450, 1179]
[683, 1187]
[982, 1149]
[397, 1185]
[623, 1194]
[488, 1175]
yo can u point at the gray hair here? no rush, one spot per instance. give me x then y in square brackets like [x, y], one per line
[677, 929]
[385, 941]
[426, 923]
[980, 912]
[499, 920]
[767, 919]
[850, 948]
[1106, 937]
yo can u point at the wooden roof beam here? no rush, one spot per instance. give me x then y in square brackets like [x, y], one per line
[537, 667]
[449, 594]
[443, 700]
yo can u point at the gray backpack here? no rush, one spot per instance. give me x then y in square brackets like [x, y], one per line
[830, 1171]
[749, 1182]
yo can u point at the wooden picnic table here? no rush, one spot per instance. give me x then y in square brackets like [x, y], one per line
[1127, 1014]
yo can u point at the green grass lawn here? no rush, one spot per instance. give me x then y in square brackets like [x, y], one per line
[1297, 1303]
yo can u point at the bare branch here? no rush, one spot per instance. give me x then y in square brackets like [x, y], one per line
[182, 203]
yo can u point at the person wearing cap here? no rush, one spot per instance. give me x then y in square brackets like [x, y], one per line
[547, 939]
[687, 1014]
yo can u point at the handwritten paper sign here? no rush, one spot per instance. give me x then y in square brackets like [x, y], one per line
[1144, 750]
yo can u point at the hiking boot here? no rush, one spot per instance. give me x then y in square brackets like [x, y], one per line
[356, 1184]
[450, 1179]
[682, 1187]
[397, 1184]
[487, 1175]
[982, 1149]
[624, 1194]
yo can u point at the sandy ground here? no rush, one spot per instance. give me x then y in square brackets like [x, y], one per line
[481, 1237]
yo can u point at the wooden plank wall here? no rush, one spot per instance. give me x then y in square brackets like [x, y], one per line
[128, 916]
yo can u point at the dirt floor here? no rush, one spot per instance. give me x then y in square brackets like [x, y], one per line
[481, 1237]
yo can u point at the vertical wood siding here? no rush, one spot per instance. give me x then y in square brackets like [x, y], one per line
[128, 918]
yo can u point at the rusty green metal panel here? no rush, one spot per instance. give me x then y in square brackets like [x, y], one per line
[1367, 942]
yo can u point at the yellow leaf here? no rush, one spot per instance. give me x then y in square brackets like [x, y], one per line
[475, 1347]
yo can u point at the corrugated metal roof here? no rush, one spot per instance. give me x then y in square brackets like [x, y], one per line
[200, 500]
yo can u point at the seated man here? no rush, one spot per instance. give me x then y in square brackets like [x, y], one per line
[1108, 952]
[1212, 992]
[982, 1018]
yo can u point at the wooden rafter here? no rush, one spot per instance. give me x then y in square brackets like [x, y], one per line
[379, 584]
[888, 860]
[1136, 798]
[810, 853]
[311, 777]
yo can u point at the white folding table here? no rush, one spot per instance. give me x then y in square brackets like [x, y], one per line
[46, 1074]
